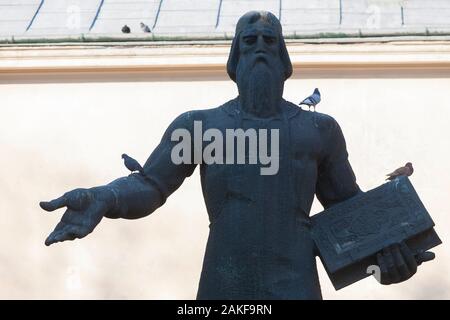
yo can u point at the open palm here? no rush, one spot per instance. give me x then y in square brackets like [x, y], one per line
[85, 210]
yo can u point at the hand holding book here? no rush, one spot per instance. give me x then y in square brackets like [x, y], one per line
[398, 263]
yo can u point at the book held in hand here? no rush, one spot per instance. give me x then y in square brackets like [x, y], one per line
[350, 234]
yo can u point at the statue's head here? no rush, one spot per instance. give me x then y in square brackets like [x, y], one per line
[259, 62]
[246, 31]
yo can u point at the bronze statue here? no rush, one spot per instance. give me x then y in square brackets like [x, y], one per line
[259, 246]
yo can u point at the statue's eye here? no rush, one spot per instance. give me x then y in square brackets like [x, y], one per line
[249, 39]
[269, 39]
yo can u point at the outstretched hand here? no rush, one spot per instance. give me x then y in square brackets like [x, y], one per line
[85, 210]
[397, 263]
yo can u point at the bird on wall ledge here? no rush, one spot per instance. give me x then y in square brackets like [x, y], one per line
[126, 29]
[145, 28]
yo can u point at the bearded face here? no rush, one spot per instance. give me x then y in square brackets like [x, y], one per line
[259, 72]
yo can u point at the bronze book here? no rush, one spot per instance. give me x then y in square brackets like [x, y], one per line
[349, 234]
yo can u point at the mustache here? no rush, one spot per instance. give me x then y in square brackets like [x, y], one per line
[260, 58]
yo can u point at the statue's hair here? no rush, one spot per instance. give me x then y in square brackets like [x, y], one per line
[250, 18]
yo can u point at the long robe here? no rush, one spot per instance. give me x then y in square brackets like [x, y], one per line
[259, 245]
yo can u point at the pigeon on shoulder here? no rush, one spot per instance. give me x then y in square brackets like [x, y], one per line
[312, 100]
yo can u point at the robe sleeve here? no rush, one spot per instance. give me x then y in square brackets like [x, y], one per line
[336, 180]
[138, 195]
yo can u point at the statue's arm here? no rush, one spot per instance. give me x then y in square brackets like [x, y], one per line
[336, 180]
[130, 197]
[138, 195]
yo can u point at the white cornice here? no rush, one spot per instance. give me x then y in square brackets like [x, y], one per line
[204, 56]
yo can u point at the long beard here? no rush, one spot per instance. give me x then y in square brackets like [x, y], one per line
[260, 87]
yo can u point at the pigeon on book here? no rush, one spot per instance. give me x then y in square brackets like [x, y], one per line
[407, 170]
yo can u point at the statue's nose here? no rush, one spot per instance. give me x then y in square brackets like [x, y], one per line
[260, 45]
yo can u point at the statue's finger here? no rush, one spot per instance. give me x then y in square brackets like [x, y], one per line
[384, 274]
[400, 263]
[409, 257]
[54, 204]
[72, 232]
[60, 235]
[51, 238]
[424, 257]
[394, 275]
[64, 236]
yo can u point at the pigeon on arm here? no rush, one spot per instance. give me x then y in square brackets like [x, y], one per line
[131, 197]
[141, 193]
[132, 164]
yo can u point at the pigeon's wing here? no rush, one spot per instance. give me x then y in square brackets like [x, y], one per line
[127, 164]
[390, 174]
[132, 164]
[139, 168]
[398, 172]
[313, 99]
[307, 101]
[135, 165]
[403, 171]
[317, 98]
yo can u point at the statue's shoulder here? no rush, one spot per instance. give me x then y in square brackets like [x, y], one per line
[186, 119]
[324, 120]
[228, 107]
[317, 119]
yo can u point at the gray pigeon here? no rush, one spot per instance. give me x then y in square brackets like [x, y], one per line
[126, 29]
[145, 28]
[312, 100]
[132, 164]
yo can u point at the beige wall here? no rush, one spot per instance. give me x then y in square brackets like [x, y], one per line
[65, 130]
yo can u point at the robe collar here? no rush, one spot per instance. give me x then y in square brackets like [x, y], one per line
[288, 110]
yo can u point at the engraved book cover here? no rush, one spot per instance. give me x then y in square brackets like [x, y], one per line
[349, 234]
